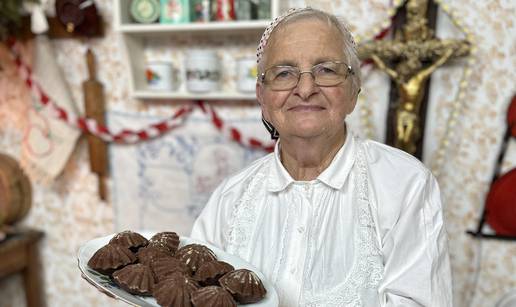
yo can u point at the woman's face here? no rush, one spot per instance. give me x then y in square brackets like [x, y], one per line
[307, 110]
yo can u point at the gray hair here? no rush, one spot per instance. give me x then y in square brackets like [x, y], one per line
[349, 48]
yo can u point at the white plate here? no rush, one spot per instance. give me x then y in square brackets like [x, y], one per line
[108, 287]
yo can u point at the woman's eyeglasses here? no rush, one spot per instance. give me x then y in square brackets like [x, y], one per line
[283, 78]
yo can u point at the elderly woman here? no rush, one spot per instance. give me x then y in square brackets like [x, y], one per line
[330, 219]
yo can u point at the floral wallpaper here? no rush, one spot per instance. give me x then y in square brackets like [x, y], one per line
[69, 212]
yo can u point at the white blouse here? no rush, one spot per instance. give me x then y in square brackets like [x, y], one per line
[367, 232]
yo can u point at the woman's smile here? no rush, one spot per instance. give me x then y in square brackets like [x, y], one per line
[306, 108]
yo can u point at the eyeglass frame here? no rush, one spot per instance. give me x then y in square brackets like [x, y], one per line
[350, 71]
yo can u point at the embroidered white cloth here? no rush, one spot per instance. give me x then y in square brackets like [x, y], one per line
[367, 232]
[48, 142]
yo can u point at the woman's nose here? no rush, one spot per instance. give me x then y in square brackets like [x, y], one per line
[306, 86]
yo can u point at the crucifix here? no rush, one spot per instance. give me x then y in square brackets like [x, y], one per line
[409, 59]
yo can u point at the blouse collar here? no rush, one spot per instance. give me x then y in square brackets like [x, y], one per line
[334, 175]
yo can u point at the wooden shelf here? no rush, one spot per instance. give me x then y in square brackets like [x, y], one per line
[162, 29]
[135, 36]
[193, 96]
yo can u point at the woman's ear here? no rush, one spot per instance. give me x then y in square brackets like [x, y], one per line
[259, 93]
[353, 103]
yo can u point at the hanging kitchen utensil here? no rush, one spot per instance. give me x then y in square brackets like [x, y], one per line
[95, 109]
[79, 16]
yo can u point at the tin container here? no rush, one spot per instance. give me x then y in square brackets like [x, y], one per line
[264, 9]
[223, 10]
[175, 11]
[199, 10]
[243, 9]
[145, 11]
[203, 71]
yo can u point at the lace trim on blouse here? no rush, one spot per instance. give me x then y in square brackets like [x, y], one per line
[284, 235]
[243, 218]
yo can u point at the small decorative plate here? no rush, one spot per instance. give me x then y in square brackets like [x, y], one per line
[105, 285]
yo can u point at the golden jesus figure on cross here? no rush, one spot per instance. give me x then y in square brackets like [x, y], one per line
[414, 54]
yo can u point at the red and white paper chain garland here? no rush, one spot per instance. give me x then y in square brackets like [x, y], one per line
[128, 136]
[232, 132]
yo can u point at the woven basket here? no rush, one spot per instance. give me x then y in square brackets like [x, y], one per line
[15, 191]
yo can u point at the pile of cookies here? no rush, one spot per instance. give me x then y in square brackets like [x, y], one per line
[186, 276]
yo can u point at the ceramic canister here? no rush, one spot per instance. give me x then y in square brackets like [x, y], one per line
[158, 75]
[247, 71]
[203, 72]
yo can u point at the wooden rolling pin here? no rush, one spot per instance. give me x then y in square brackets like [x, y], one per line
[95, 108]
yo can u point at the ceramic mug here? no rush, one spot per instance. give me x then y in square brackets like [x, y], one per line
[247, 71]
[159, 75]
